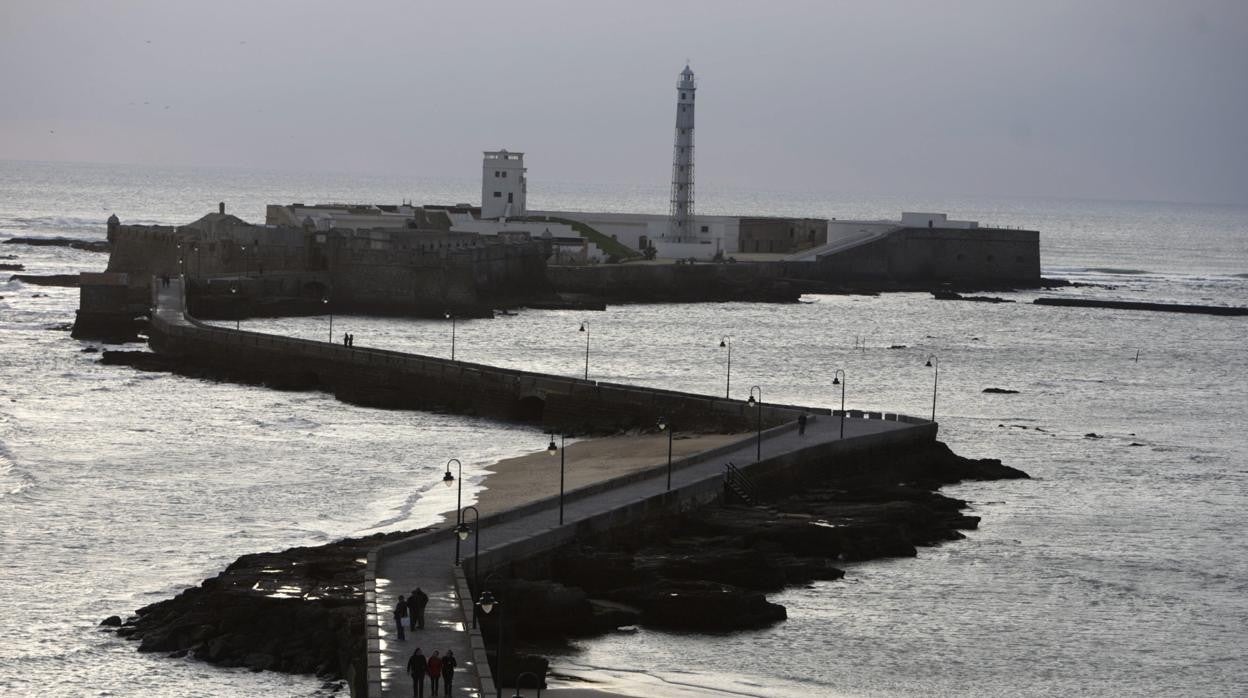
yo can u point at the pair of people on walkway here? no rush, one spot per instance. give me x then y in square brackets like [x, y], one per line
[435, 668]
[410, 612]
[348, 340]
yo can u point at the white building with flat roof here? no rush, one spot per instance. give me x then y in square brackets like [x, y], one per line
[503, 184]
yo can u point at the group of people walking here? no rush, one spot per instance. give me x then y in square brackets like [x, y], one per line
[434, 667]
[410, 612]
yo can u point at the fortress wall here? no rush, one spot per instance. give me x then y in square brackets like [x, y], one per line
[672, 282]
[356, 271]
[147, 251]
[143, 251]
[925, 257]
[979, 254]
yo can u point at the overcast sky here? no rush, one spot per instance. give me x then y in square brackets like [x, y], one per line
[1124, 99]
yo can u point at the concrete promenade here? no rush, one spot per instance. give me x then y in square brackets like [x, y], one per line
[430, 566]
[427, 560]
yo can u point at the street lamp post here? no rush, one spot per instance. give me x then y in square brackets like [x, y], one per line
[447, 479]
[330, 310]
[585, 329]
[234, 294]
[488, 603]
[461, 533]
[552, 449]
[537, 681]
[838, 378]
[934, 363]
[451, 316]
[759, 404]
[726, 341]
[665, 425]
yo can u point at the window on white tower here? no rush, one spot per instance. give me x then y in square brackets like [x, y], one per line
[498, 195]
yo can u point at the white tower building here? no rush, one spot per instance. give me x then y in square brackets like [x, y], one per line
[503, 184]
[681, 227]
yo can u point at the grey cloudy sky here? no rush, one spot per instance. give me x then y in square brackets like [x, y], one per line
[1131, 99]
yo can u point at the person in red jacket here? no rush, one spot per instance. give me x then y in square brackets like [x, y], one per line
[435, 672]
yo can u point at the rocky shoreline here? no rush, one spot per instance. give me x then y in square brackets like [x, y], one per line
[302, 610]
[709, 571]
[298, 611]
[74, 243]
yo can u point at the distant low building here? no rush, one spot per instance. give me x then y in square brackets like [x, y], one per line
[934, 220]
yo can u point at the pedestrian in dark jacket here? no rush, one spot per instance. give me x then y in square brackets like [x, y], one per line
[435, 673]
[419, 600]
[801, 425]
[448, 671]
[416, 667]
[400, 613]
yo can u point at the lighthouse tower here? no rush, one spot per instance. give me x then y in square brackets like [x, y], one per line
[681, 228]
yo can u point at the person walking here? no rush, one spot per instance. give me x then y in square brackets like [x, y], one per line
[400, 613]
[801, 424]
[419, 600]
[416, 667]
[435, 672]
[448, 671]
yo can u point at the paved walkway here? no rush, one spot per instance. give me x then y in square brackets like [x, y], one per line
[431, 567]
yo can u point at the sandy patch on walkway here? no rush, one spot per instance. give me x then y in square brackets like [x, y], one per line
[517, 481]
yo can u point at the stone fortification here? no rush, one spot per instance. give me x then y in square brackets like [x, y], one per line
[924, 258]
[229, 263]
[677, 283]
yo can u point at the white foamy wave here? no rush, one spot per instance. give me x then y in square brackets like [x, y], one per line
[62, 224]
[1122, 274]
[13, 480]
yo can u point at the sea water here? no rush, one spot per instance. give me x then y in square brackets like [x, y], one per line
[1118, 570]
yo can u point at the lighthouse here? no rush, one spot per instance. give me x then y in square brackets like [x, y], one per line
[681, 226]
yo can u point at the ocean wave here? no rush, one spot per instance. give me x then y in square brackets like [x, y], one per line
[1150, 275]
[61, 223]
[1124, 272]
[13, 480]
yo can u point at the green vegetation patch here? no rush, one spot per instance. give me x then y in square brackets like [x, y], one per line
[610, 246]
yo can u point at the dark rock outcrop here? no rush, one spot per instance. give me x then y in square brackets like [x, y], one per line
[297, 611]
[946, 295]
[1139, 305]
[64, 280]
[88, 245]
[708, 570]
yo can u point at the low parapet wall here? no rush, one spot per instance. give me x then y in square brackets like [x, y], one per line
[395, 379]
